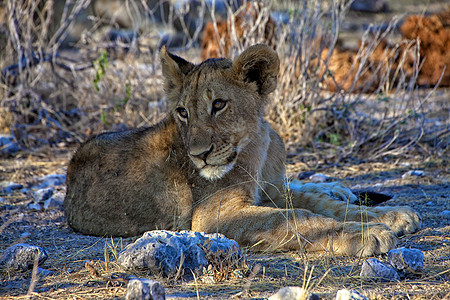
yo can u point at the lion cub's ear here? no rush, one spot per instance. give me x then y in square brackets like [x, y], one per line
[259, 64]
[173, 68]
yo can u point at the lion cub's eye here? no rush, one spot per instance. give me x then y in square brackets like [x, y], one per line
[217, 105]
[182, 112]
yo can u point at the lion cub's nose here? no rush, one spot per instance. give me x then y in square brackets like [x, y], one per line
[200, 153]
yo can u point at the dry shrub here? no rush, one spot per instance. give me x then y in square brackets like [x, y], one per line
[433, 34]
[51, 92]
[375, 63]
[429, 34]
[58, 96]
[250, 22]
[346, 124]
[342, 124]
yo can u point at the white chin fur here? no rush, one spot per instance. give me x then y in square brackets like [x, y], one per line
[215, 172]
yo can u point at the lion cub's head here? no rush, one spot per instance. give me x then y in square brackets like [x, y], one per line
[218, 104]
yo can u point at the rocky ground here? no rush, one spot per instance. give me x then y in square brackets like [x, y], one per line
[65, 273]
[84, 267]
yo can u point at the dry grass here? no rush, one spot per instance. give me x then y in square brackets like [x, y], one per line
[68, 251]
[55, 97]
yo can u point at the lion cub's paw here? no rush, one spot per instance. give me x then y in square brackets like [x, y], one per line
[371, 239]
[334, 190]
[400, 219]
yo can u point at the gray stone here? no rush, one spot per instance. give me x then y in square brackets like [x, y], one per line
[35, 206]
[319, 177]
[140, 288]
[52, 180]
[404, 259]
[371, 6]
[305, 175]
[445, 213]
[55, 202]
[345, 294]
[413, 173]
[21, 257]
[44, 272]
[160, 251]
[41, 195]
[7, 146]
[373, 268]
[25, 235]
[7, 187]
[293, 293]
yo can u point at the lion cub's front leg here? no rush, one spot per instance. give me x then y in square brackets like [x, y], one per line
[269, 228]
[334, 200]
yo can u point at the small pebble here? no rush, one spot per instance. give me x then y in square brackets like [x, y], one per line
[345, 294]
[43, 194]
[25, 235]
[44, 273]
[304, 175]
[404, 259]
[7, 187]
[319, 177]
[293, 293]
[35, 206]
[8, 147]
[52, 180]
[52, 203]
[21, 257]
[445, 213]
[141, 288]
[416, 173]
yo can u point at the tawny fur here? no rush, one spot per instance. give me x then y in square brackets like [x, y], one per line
[214, 164]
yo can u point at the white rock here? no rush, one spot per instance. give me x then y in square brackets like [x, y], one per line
[52, 180]
[43, 194]
[416, 173]
[44, 272]
[374, 268]
[140, 288]
[319, 177]
[406, 259]
[21, 257]
[345, 294]
[52, 203]
[160, 251]
[293, 293]
[7, 187]
[8, 147]
[35, 206]
[445, 213]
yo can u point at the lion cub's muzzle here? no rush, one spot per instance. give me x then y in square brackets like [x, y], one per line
[214, 161]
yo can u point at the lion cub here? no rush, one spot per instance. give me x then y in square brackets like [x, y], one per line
[214, 164]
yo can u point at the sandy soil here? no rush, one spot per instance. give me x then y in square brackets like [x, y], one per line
[68, 251]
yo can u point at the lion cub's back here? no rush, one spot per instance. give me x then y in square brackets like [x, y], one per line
[119, 184]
